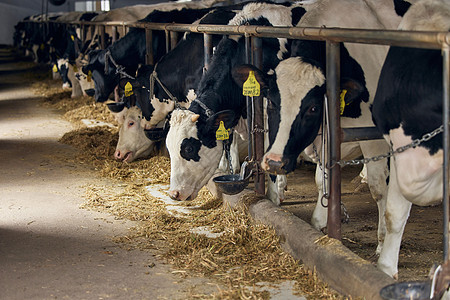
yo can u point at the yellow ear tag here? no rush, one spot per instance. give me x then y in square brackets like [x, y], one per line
[72, 37]
[42, 46]
[89, 76]
[342, 97]
[128, 89]
[251, 86]
[55, 68]
[75, 69]
[222, 133]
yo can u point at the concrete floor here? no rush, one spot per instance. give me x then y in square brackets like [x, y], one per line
[49, 248]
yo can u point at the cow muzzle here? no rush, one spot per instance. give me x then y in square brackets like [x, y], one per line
[274, 165]
[90, 92]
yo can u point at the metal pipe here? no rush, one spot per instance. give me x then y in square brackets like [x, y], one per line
[114, 33]
[333, 88]
[259, 119]
[207, 49]
[102, 36]
[360, 134]
[248, 60]
[167, 41]
[446, 145]
[149, 60]
[416, 39]
[173, 39]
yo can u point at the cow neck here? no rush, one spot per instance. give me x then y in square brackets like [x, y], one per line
[119, 68]
[154, 77]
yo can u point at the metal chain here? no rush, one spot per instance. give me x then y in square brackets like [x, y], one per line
[413, 144]
[260, 130]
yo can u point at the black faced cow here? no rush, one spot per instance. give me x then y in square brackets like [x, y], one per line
[297, 88]
[194, 151]
[407, 105]
[129, 51]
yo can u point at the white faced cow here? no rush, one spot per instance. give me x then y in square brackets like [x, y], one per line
[193, 149]
[407, 105]
[297, 88]
[133, 143]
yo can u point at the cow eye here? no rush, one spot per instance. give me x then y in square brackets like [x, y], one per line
[313, 109]
[131, 123]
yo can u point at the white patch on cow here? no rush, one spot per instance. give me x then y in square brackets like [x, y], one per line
[295, 79]
[427, 15]
[191, 96]
[162, 109]
[277, 15]
[419, 173]
[132, 142]
[76, 88]
[188, 177]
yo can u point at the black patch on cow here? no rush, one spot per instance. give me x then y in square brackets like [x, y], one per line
[190, 148]
[409, 93]
[297, 14]
[401, 7]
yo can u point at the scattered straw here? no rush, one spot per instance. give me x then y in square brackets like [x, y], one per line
[245, 253]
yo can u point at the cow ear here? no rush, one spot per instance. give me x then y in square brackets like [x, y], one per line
[228, 117]
[124, 81]
[240, 75]
[352, 90]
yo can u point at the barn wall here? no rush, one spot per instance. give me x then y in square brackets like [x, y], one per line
[121, 3]
[12, 11]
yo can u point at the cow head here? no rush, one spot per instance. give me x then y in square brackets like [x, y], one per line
[63, 68]
[132, 142]
[194, 152]
[104, 82]
[296, 95]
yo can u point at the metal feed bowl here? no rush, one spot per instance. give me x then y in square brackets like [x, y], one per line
[116, 107]
[412, 290]
[231, 184]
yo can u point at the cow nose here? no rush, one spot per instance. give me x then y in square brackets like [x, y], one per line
[174, 195]
[274, 164]
[118, 155]
[90, 92]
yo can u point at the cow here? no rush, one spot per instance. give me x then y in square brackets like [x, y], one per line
[408, 105]
[194, 151]
[130, 51]
[181, 84]
[296, 93]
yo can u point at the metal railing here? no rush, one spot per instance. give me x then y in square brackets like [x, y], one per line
[333, 37]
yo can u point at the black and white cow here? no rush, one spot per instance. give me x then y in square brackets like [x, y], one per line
[407, 105]
[181, 83]
[130, 51]
[297, 88]
[194, 151]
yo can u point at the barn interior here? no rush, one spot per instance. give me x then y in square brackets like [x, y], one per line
[76, 223]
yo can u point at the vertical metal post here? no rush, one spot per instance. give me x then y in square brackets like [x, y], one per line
[167, 41]
[92, 29]
[334, 154]
[207, 49]
[248, 60]
[102, 36]
[446, 144]
[173, 39]
[258, 118]
[114, 33]
[149, 47]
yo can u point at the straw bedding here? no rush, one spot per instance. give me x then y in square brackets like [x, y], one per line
[242, 252]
